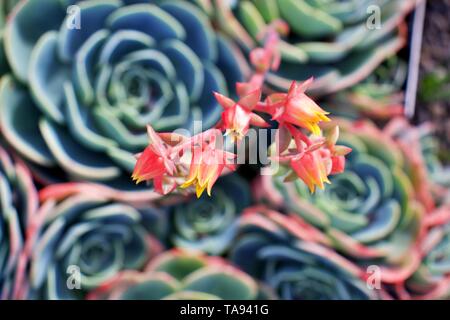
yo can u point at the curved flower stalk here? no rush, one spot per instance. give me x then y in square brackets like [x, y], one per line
[18, 208]
[379, 96]
[431, 280]
[338, 42]
[181, 275]
[370, 213]
[87, 237]
[173, 160]
[90, 75]
[429, 175]
[208, 224]
[280, 251]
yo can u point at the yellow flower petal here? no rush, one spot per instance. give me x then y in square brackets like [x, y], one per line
[199, 190]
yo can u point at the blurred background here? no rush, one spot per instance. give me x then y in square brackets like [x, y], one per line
[80, 80]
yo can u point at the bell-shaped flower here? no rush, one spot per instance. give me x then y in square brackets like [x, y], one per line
[207, 165]
[269, 57]
[236, 120]
[311, 167]
[154, 162]
[297, 108]
[148, 166]
[237, 117]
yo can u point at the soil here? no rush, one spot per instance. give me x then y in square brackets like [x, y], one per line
[434, 105]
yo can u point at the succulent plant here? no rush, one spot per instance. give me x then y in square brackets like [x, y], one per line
[90, 89]
[370, 213]
[208, 224]
[429, 175]
[431, 280]
[87, 237]
[379, 96]
[181, 275]
[6, 7]
[338, 42]
[439, 173]
[278, 249]
[18, 207]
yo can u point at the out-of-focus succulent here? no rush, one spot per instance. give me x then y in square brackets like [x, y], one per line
[379, 96]
[280, 250]
[338, 42]
[370, 213]
[438, 172]
[18, 207]
[427, 172]
[208, 224]
[90, 75]
[181, 275]
[432, 279]
[87, 237]
[5, 8]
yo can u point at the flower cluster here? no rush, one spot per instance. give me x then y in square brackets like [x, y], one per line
[195, 161]
[345, 208]
[312, 158]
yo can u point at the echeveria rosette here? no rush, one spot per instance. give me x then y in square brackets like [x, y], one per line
[379, 96]
[93, 231]
[429, 175]
[431, 280]
[370, 213]
[18, 207]
[89, 93]
[181, 275]
[208, 224]
[330, 40]
[280, 250]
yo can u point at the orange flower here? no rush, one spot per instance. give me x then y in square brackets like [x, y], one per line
[206, 167]
[311, 168]
[148, 166]
[236, 120]
[297, 108]
[154, 163]
[237, 117]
